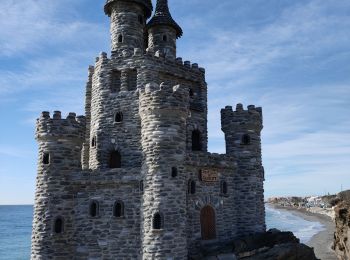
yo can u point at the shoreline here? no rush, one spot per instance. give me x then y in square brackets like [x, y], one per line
[322, 241]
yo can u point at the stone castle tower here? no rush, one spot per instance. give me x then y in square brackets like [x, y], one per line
[132, 179]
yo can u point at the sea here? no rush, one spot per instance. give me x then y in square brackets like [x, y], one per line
[16, 223]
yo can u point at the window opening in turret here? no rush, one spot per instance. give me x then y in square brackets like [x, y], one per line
[196, 141]
[191, 187]
[118, 210]
[246, 139]
[115, 81]
[140, 18]
[93, 142]
[115, 160]
[223, 187]
[165, 38]
[132, 79]
[118, 118]
[191, 93]
[58, 225]
[141, 186]
[157, 221]
[46, 158]
[94, 209]
[120, 38]
[174, 172]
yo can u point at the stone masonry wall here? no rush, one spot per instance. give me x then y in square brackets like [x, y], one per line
[106, 236]
[164, 110]
[86, 145]
[61, 140]
[127, 30]
[210, 194]
[250, 173]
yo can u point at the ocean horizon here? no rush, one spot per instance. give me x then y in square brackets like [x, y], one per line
[16, 227]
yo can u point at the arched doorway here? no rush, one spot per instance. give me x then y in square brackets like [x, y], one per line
[208, 225]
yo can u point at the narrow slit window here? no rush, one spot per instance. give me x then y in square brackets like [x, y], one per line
[58, 226]
[157, 221]
[165, 38]
[196, 141]
[246, 139]
[224, 187]
[118, 209]
[118, 118]
[115, 160]
[120, 38]
[46, 158]
[141, 186]
[140, 18]
[191, 187]
[191, 93]
[94, 209]
[93, 142]
[174, 172]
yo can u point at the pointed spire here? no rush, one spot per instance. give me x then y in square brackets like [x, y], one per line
[162, 16]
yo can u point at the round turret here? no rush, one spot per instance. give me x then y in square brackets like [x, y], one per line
[163, 31]
[242, 129]
[128, 22]
[164, 111]
[60, 144]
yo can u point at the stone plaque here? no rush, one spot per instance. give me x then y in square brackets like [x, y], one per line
[208, 175]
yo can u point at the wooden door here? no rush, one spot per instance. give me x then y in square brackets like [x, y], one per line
[208, 225]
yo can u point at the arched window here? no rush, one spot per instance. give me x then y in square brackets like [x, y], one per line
[157, 222]
[165, 38]
[94, 209]
[120, 38]
[46, 158]
[118, 118]
[191, 187]
[246, 139]
[58, 225]
[223, 187]
[115, 160]
[141, 186]
[174, 172]
[118, 210]
[140, 18]
[196, 141]
[93, 142]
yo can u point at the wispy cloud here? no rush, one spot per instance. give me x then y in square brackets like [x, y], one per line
[31, 26]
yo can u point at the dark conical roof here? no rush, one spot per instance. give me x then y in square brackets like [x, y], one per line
[146, 3]
[162, 16]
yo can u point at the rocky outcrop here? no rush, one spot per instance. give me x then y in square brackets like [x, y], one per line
[273, 244]
[342, 231]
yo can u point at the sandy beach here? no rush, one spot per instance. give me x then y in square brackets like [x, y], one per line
[322, 241]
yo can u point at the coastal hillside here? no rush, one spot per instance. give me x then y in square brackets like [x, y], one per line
[314, 204]
[342, 221]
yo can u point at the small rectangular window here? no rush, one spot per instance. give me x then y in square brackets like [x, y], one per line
[115, 81]
[46, 158]
[132, 80]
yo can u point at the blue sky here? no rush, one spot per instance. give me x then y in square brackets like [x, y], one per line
[290, 57]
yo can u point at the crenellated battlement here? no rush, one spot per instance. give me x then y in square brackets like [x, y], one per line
[162, 96]
[136, 167]
[251, 116]
[155, 56]
[72, 127]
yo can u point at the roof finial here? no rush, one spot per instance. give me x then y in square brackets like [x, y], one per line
[162, 16]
